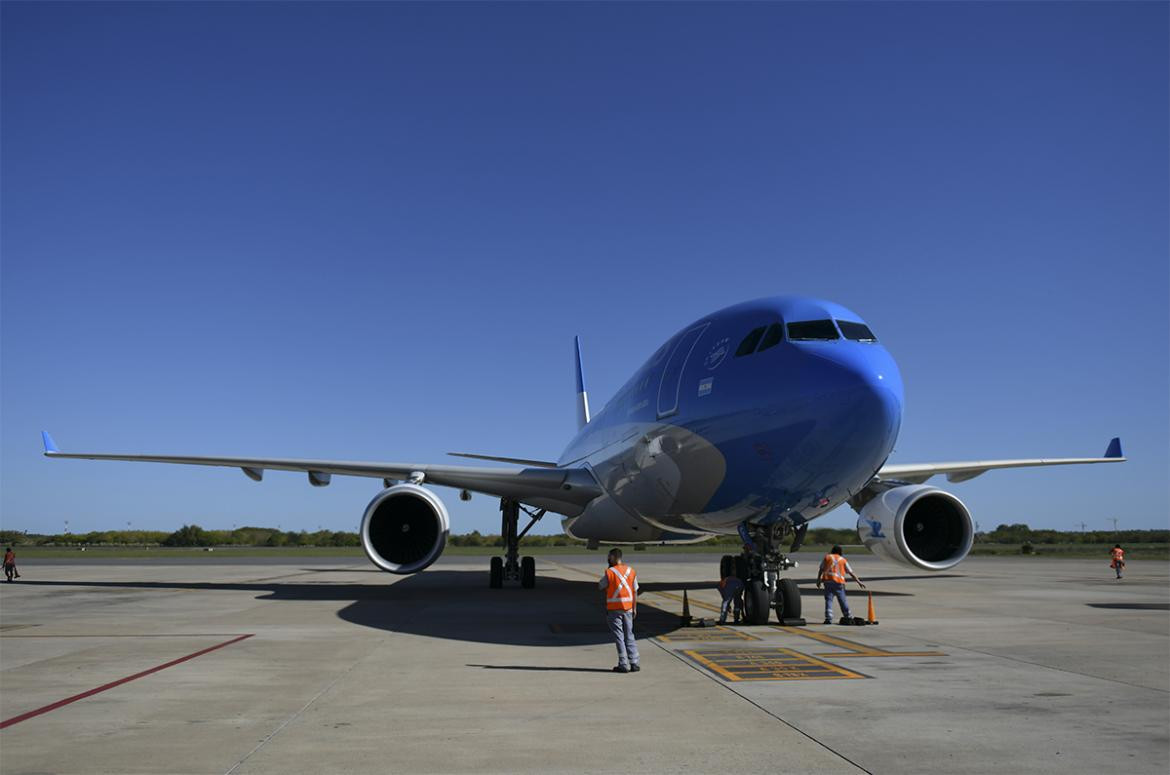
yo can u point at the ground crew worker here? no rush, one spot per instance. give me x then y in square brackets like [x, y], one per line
[731, 589]
[620, 584]
[10, 564]
[1117, 561]
[832, 575]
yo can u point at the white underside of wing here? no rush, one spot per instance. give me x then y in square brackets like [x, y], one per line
[917, 473]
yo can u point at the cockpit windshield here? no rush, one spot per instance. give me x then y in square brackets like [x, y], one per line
[812, 330]
[858, 332]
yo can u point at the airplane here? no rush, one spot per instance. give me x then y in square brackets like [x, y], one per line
[753, 420]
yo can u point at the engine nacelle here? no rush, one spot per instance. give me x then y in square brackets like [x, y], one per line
[917, 525]
[405, 528]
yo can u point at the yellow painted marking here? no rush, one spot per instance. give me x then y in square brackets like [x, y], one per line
[679, 598]
[768, 665]
[706, 633]
[853, 649]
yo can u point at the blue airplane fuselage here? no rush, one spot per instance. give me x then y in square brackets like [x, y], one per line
[774, 409]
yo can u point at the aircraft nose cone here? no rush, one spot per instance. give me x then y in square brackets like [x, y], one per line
[863, 385]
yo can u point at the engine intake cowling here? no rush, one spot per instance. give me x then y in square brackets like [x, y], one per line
[405, 528]
[917, 525]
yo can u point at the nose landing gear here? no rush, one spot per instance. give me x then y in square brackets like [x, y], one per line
[763, 587]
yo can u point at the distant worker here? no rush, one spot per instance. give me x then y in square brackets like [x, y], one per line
[10, 564]
[620, 584]
[1116, 554]
[832, 575]
[731, 589]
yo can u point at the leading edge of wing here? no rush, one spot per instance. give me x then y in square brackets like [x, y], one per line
[572, 487]
[962, 471]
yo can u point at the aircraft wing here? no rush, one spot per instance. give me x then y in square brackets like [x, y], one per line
[916, 473]
[562, 490]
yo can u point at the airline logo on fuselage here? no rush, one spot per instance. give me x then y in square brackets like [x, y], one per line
[717, 354]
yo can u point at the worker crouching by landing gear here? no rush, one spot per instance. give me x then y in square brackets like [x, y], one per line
[731, 590]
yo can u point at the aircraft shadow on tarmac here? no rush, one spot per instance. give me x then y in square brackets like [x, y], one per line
[458, 605]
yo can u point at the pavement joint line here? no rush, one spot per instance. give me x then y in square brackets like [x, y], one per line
[105, 687]
[1058, 669]
[305, 707]
[726, 685]
[130, 635]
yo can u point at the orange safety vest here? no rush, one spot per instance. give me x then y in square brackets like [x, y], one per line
[1118, 556]
[833, 568]
[619, 595]
[9, 558]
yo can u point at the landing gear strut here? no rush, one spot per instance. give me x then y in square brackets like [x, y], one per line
[513, 567]
[763, 588]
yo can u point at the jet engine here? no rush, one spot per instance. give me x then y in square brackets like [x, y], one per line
[405, 528]
[917, 525]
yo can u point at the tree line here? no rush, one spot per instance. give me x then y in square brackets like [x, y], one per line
[194, 535]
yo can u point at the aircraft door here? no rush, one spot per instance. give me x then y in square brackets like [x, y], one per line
[672, 372]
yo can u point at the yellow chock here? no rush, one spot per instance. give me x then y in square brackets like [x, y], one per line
[871, 618]
[686, 614]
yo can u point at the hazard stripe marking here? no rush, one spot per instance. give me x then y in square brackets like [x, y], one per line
[780, 664]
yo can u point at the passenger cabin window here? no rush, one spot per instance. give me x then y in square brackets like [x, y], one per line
[773, 337]
[812, 330]
[858, 332]
[748, 345]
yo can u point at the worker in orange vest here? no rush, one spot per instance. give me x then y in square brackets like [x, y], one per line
[832, 575]
[620, 584]
[10, 564]
[1117, 555]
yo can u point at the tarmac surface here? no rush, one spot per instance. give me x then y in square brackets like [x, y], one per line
[321, 665]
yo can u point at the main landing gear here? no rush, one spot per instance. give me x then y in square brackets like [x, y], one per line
[513, 567]
[763, 587]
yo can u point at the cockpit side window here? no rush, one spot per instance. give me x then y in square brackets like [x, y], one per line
[748, 345]
[812, 330]
[773, 337]
[858, 332]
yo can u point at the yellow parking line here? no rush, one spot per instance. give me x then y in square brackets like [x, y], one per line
[853, 649]
[779, 664]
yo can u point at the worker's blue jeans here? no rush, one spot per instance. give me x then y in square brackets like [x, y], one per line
[621, 624]
[835, 590]
[732, 594]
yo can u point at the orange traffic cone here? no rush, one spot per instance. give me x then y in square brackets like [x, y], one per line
[686, 614]
[871, 616]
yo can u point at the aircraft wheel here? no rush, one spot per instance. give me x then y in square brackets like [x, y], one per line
[726, 566]
[756, 606]
[527, 572]
[787, 600]
[496, 573]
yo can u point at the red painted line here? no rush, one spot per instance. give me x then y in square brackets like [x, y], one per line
[119, 682]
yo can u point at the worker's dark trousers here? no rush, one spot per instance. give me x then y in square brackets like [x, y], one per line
[835, 590]
[621, 624]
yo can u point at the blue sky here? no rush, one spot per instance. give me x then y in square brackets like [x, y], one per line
[370, 231]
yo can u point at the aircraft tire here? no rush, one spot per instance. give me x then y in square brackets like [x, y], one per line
[756, 607]
[787, 600]
[496, 573]
[528, 572]
[726, 566]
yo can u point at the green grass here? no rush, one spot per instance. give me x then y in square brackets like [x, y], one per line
[1098, 551]
[32, 552]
